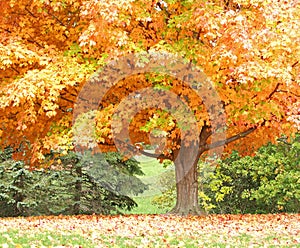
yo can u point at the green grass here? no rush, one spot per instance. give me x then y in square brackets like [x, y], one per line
[42, 239]
[14, 238]
[153, 171]
[145, 206]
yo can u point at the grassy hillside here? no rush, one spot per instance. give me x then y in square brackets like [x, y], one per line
[153, 172]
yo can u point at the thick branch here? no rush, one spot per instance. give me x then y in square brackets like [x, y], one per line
[204, 135]
[152, 155]
[203, 146]
[229, 140]
[139, 150]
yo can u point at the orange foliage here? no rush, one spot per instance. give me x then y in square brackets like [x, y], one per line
[49, 49]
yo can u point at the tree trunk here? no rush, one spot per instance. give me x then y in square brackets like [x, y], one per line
[186, 186]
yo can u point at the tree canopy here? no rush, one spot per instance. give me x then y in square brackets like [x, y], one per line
[249, 50]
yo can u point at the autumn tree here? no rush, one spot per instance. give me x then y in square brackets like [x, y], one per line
[245, 53]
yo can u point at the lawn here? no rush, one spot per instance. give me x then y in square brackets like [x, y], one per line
[146, 226]
[152, 231]
[153, 171]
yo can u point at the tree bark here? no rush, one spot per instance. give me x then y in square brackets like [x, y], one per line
[186, 186]
[186, 165]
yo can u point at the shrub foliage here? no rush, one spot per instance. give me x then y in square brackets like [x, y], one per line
[268, 182]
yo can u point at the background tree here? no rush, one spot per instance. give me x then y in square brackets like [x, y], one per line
[75, 184]
[249, 50]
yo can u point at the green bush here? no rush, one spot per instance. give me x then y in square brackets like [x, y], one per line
[167, 184]
[80, 184]
[269, 182]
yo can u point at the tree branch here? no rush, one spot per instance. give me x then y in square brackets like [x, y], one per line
[203, 146]
[274, 91]
[29, 12]
[289, 92]
[152, 155]
[293, 65]
[204, 135]
[229, 140]
[139, 150]
[66, 99]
